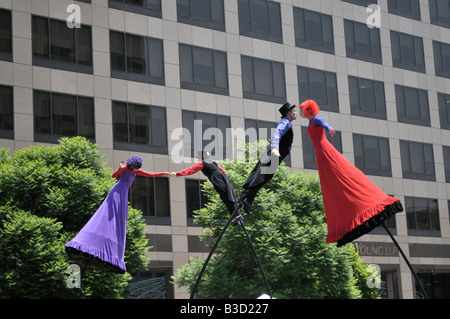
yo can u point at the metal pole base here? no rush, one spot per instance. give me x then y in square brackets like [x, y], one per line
[236, 218]
[406, 259]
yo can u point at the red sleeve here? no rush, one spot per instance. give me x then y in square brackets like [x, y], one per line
[148, 174]
[223, 171]
[119, 172]
[191, 170]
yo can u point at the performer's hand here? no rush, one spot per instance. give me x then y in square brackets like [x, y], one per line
[332, 132]
[276, 152]
[173, 174]
[122, 165]
[167, 174]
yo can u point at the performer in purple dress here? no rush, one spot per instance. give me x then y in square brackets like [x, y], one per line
[101, 242]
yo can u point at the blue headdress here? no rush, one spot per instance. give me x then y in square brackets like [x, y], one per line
[135, 161]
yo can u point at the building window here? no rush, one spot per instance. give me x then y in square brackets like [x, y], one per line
[151, 196]
[320, 86]
[138, 127]
[412, 105]
[203, 13]
[436, 284]
[309, 155]
[422, 216]
[203, 69]
[313, 30]
[407, 52]
[195, 199]
[440, 12]
[367, 97]
[57, 46]
[364, 3]
[361, 42]
[5, 36]
[444, 110]
[136, 58]
[372, 155]
[147, 7]
[6, 112]
[446, 151]
[263, 80]
[408, 8]
[260, 19]
[206, 132]
[417, 160]
[441, 58]
[257, 130]
[57, 115]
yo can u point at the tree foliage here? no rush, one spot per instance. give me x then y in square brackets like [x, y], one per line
[288, 229]
[47, 194]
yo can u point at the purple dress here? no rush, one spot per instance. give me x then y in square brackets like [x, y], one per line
[101, 242]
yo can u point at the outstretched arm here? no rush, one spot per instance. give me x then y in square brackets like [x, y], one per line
[190, 170]
[141, 172]
[122, 169]
[318, 121]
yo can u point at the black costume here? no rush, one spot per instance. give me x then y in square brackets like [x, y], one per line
[262, 173]
[217, 177]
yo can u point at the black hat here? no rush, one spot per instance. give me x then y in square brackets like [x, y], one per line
[285, 108]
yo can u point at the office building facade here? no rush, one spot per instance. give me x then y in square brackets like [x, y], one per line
[129, 75]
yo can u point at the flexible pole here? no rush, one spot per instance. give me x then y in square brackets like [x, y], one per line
[241, 222]
[212, 252]
[406, 259]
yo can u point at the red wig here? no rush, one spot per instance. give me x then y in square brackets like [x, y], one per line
[310, 107]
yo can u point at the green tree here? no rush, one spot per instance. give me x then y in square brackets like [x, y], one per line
[47, 194]
[288, 229]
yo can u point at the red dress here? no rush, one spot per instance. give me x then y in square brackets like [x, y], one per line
[353, 204]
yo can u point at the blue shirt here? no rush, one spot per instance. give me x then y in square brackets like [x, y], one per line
[283, 126]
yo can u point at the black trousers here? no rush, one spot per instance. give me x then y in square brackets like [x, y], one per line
[261, 174]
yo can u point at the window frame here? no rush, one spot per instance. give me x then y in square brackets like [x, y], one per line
[379, 102]
[401, 94]
[247, 63]
[222, 123]
[145, 9]
[393, 8]
[351, 28]
[427, 161]
[361, 152]
[411, 202]
[211, 24]
[152, 199]
[52, 137]
[128, 146]
[215, 56]
[331, 102]
[398, 58]
[7, 55]
[272, 6]
[50, 62]
[145, 77]
[300, 16]
[8, 133]
[435, 17]
[441, 66]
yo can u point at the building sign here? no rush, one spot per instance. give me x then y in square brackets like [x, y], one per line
[376, 249]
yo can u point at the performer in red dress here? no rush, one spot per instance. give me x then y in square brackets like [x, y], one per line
[353, 204]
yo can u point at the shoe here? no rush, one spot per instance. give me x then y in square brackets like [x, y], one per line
[245, 205]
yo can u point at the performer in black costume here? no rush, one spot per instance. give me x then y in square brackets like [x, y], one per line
[280, 146]
[216, 175]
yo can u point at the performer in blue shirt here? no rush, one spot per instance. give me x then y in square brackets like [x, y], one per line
[280, 146]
